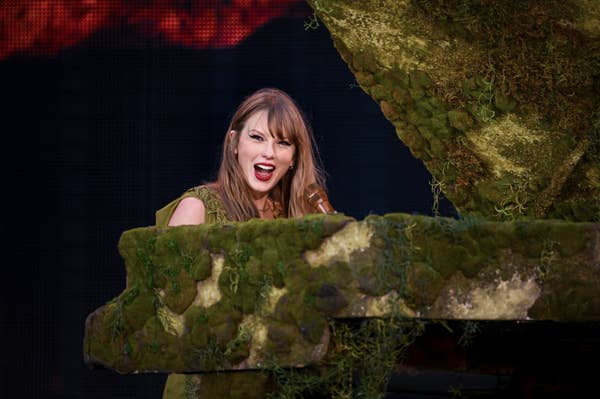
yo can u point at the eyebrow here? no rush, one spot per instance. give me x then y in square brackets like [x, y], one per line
[258, 131]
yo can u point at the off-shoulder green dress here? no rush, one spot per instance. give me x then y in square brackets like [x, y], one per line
[243, 384]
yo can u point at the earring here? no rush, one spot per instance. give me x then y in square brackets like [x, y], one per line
[291, 166]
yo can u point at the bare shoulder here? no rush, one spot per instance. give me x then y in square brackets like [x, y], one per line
[190, 210]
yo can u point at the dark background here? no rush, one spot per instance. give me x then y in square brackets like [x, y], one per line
[99, 136]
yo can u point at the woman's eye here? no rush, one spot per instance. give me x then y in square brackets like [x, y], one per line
[285, 143]
[256, 137]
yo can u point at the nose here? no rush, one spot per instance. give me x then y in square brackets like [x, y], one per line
[268, 149]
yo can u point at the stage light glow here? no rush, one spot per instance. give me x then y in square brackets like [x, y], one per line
[43, 28]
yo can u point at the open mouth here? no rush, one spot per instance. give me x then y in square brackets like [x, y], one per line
[263, 172]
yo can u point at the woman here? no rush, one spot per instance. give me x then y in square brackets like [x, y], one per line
[267, 169]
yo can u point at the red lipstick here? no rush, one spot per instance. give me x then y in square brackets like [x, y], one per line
[263, 171]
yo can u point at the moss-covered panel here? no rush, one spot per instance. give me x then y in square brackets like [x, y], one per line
[275, 286]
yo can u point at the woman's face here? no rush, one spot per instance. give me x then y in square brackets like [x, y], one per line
[264, 159]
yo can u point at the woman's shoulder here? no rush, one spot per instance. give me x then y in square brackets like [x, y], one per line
[164, 214]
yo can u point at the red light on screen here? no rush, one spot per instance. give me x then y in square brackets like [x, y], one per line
[41, 27]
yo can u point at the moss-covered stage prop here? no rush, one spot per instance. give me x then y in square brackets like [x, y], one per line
[500, 99]
[246, 295]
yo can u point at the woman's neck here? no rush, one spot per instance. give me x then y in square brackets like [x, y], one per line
[261, 202]
[265, 207]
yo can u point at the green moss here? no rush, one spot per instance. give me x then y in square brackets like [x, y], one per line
[180, 291]
[308, 320]
[137, 311]
[280, 338]
[423, 284]
[197, 264]
[461, 120]
[364, 61]
[467, 66]
[197, 324]
[150, 346]
[329, 300]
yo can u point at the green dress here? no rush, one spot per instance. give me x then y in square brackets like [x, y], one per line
[242, 384]
[215, 211]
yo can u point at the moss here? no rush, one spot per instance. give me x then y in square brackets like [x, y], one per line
[136, 311]
[151, 346]
[423, 284]
[364, 61]
[439, 69]
[503, 102]
[329, 299]
[573, 237]
[379, 92]
[568, 296]
[180, 291]
[280, 338]
[238, 348]
[460, 120]
[389, 111]
[197, 264]
[309, 322]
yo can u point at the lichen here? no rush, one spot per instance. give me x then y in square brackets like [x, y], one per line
[208, 292]
[340, 246]
[502, 299]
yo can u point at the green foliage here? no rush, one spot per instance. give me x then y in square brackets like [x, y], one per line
[359, 363]
[438, 187]
[241, 340]
[313, 21]
[513, 203]
[236, 267]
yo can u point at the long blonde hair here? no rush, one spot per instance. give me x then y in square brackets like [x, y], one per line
[285, 121]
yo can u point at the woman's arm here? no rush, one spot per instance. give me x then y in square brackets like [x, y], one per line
[189, 211]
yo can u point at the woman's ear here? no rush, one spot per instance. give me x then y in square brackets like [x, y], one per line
[232, 141]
